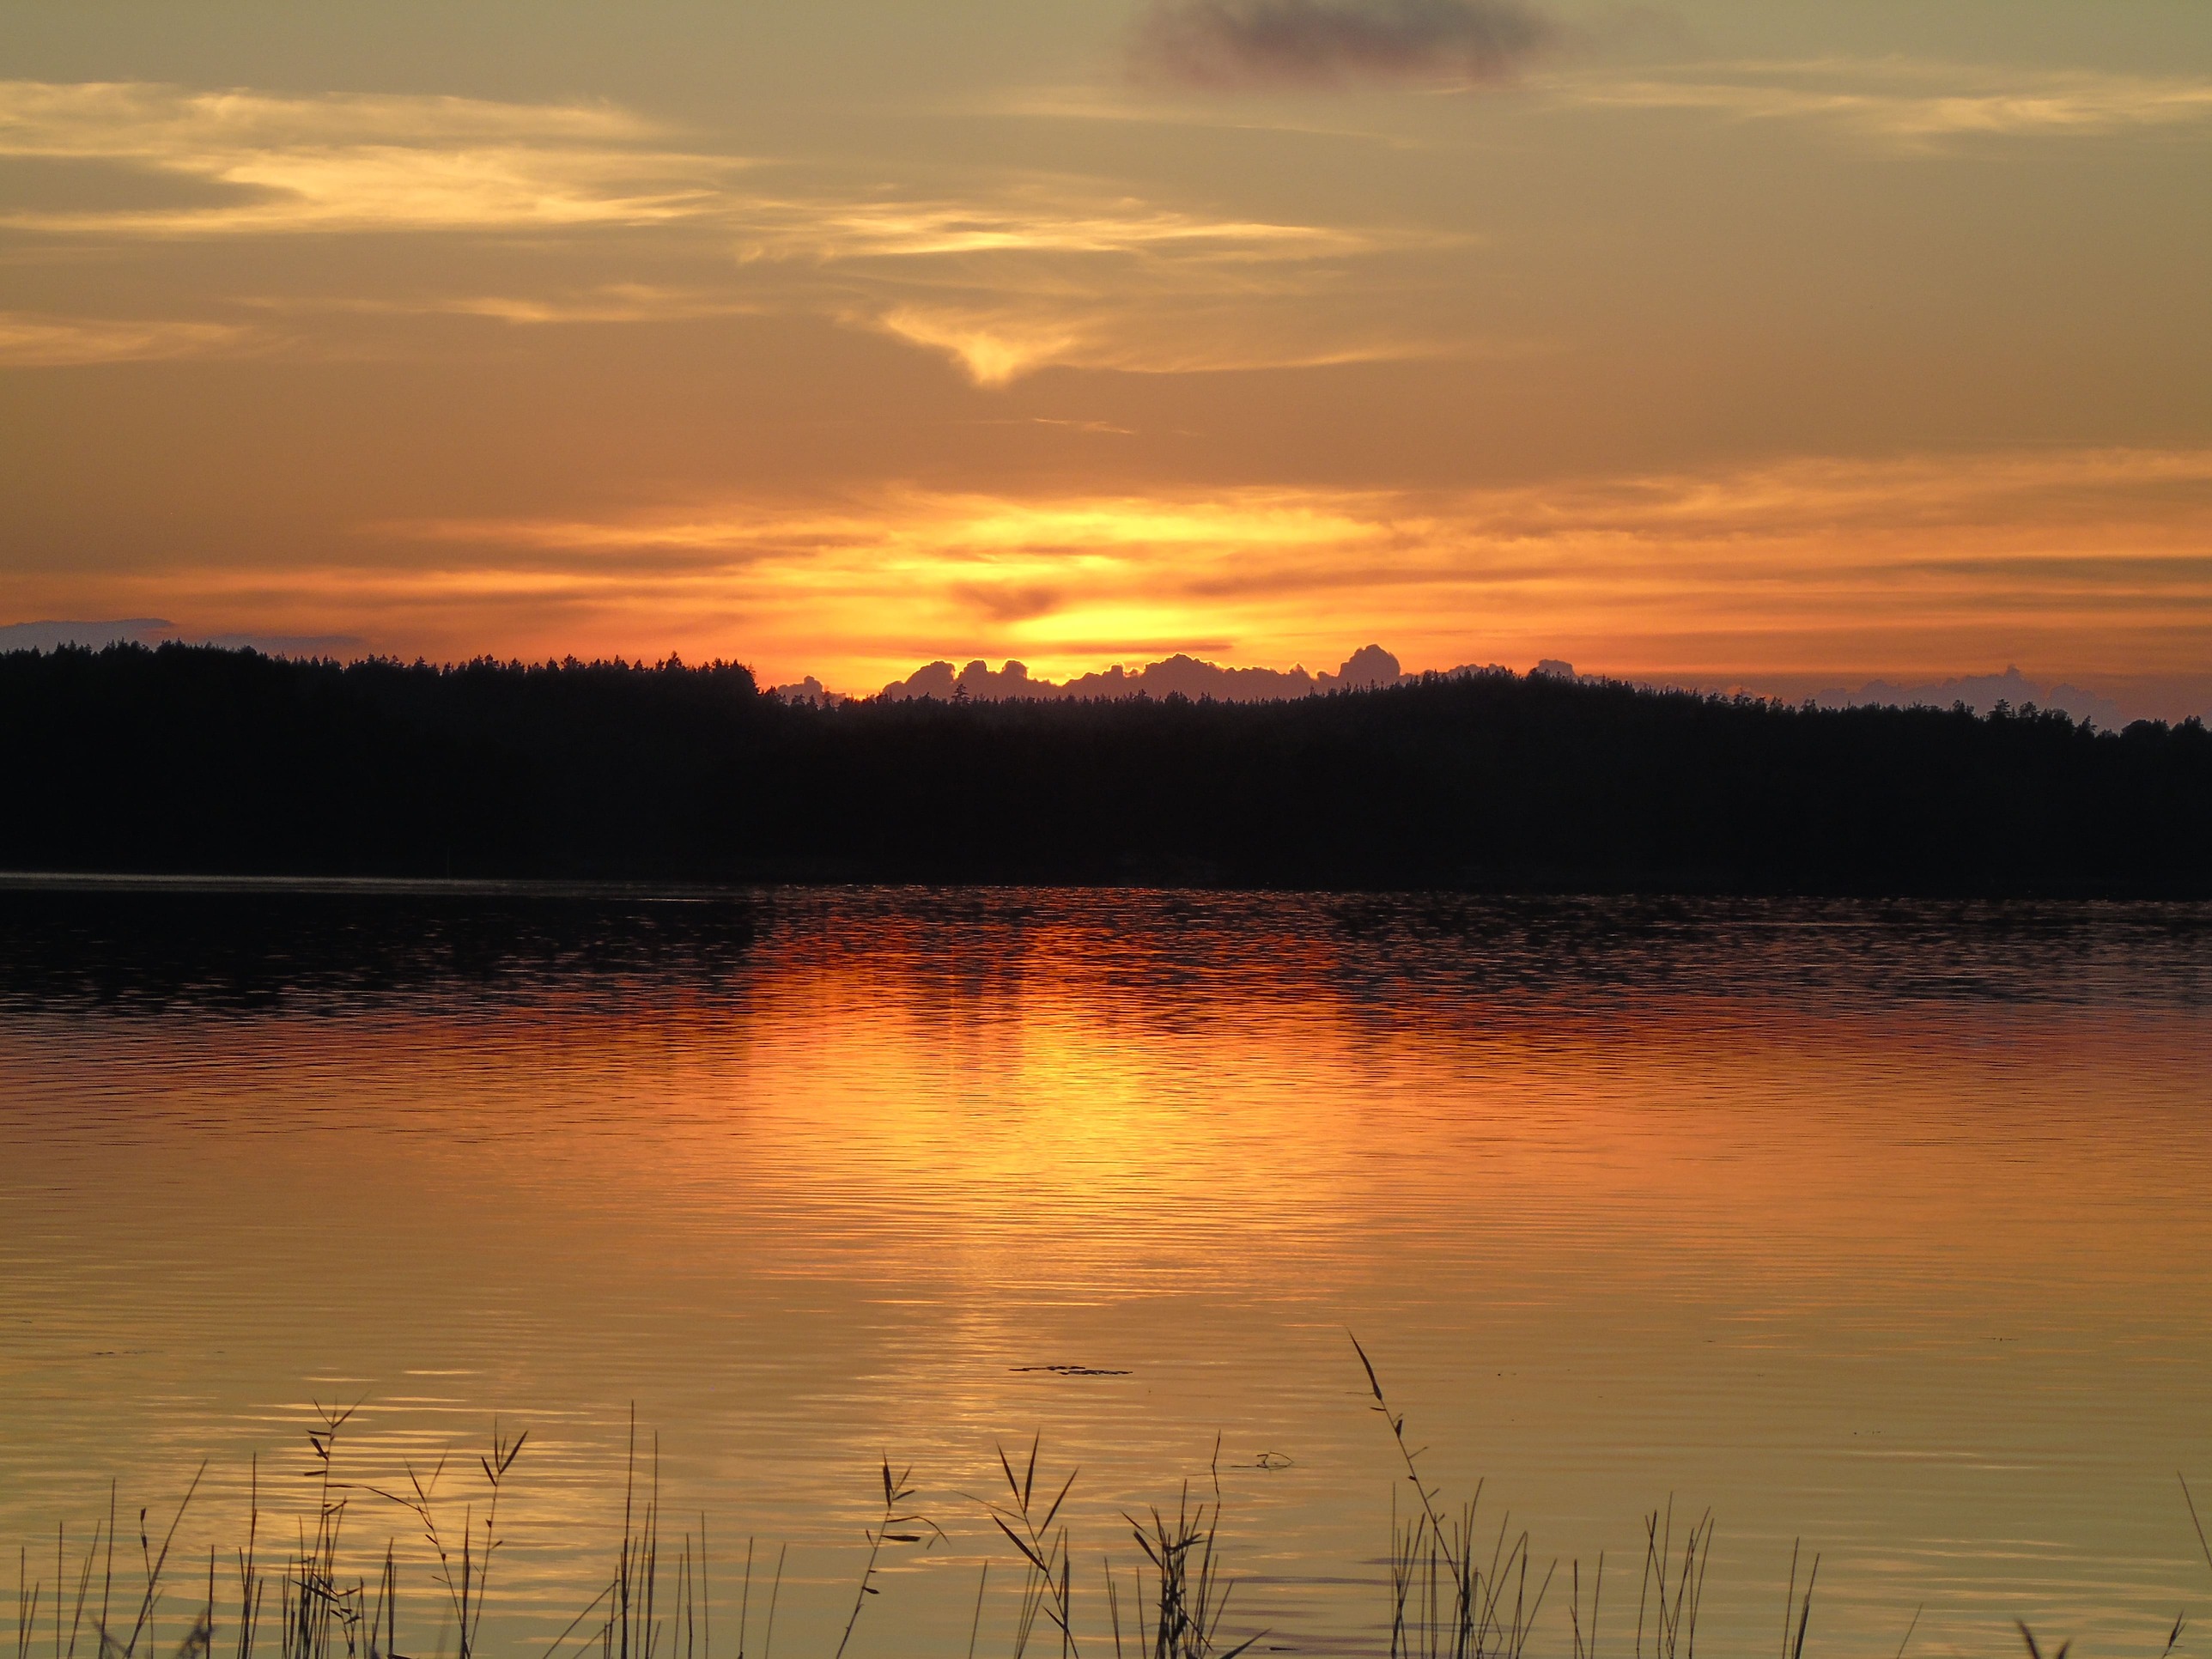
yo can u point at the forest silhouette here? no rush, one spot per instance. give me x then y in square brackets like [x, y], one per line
[199, 760]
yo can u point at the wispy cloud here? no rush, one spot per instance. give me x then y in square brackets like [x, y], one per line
[605, 302]
[612, 302]
[1051, 271]
[1898, 101]
[1236, 44]
[996, 340]
[28, 340]
[137, 119]
[2077, 564]
[1052, 217]
[1004, 270]
[994, 348]
[2079, 559]
[353, 162]
[1904, 102]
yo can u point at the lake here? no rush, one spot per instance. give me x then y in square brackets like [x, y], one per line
[1881, 1227]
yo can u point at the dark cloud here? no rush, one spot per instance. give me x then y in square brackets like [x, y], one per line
[1270, 43]
[1008, 603]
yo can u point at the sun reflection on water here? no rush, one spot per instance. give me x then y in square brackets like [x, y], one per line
[1867, 1227]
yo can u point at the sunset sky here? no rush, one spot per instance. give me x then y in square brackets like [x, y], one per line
[1787, 344]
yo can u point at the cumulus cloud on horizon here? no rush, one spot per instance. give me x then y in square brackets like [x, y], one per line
[1259, 44]
[153, 630]
[1981, 693]
[1191, 677]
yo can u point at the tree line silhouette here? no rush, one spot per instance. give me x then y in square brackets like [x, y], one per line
[194, 759]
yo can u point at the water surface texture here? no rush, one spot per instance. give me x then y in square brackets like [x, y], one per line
[1881, 1227]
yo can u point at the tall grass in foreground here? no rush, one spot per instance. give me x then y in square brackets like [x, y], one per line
[1452, 1592]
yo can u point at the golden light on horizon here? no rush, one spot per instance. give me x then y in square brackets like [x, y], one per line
[1798, 358]
[2082, 555]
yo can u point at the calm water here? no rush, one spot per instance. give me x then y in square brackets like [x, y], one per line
[1885, 1228]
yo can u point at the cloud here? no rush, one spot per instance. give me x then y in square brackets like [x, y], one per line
[606, 303]
[1052, 272]
[2078, 564]
[139, 118]
[152, 630]
[93, 636]
[1017, 602]
[1004, 272]
[998, 343]
[1981, 693]
[1050, 216]
[2040, 498]
[353, 162]
[32, 341]
[348, 162]
[1915, 105]
[1180, 675]
[1102, 428]
[341, 646]
[1232, 43]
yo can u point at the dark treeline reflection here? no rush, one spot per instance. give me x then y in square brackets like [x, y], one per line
[254, 945]
[248, 946]
[188, 759]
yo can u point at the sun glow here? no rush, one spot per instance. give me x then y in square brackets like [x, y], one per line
[1788, 568]
[1074, 372]
[1899, 567]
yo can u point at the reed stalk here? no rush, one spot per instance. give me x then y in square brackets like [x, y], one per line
[1446, 1598]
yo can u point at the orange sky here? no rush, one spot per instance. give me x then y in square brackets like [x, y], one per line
[1784, 345]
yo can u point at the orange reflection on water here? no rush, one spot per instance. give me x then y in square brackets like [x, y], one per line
[1869, 1229]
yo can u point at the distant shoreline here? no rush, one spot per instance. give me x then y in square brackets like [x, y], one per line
[185, 883]
[226, 765]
